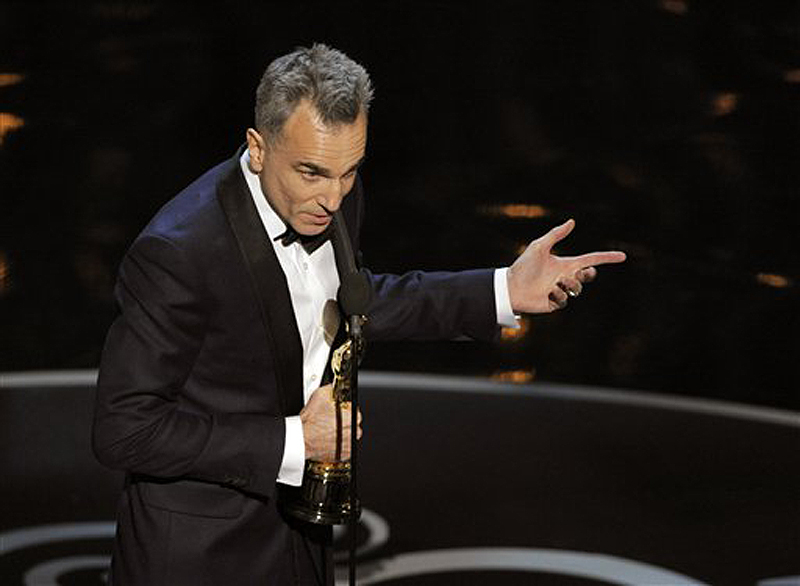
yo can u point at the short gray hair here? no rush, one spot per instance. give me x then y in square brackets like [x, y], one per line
[337, 87]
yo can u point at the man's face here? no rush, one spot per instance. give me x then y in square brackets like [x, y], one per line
[308, 171]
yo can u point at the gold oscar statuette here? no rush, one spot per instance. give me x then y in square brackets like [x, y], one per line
[324, 497]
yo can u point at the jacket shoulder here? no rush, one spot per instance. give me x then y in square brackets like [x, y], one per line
[195, 212]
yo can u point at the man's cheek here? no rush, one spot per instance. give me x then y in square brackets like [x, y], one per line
[348, 186]
[299, 190]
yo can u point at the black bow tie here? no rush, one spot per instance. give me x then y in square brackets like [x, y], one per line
[310, 243]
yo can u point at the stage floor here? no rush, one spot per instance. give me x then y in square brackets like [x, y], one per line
[466, 481]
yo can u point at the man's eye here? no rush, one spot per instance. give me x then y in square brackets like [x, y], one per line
[310, 175]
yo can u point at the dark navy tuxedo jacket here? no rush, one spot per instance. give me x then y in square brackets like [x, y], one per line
[199, 371]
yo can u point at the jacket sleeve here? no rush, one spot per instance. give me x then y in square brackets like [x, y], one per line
[143, 421]
[433, 305]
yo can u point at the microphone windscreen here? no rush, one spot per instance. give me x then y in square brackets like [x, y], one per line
[355, 293]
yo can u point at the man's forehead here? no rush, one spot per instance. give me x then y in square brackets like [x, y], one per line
[306, 136]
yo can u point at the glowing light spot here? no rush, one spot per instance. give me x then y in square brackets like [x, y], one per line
[772, 280]
[517, 210]
[9, 123]
[8, 79]
[625, 176]
[792, 76]
[724, 103]
[514, 376]
[678, 7]
[5, 274]
[516, 334]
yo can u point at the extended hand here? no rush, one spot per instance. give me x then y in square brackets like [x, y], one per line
[540, 282]
[319, 426]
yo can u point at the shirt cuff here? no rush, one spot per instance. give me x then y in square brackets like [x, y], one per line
[502, 300]
[294, 453]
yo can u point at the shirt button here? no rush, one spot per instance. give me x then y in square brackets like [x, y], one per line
[305, 266]
[313, 378]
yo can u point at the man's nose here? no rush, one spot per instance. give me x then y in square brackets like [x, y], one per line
[333, 195]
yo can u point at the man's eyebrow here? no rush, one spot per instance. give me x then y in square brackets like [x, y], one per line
[357, 165]
[318, 170]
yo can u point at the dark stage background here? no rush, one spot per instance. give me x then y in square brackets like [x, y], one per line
[668, 129]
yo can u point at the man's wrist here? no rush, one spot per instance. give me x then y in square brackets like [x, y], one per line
[294, 453]
[505, 314]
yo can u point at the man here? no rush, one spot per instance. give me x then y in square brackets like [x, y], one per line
[209, 391]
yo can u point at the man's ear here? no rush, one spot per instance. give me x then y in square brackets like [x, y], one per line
[258, 150]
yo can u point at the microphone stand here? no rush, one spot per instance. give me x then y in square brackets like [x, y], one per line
[355, 294]
[355, 333]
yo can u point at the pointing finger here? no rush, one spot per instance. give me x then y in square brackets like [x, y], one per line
[598, 258]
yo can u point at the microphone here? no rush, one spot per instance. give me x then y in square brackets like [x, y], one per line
[355, 291]
[355, 296]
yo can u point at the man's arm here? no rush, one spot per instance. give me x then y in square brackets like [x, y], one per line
[420, 305]
[141, 425]
[433, 306]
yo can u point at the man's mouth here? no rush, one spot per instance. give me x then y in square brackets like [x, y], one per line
[320, 219]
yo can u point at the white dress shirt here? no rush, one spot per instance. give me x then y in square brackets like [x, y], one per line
[313, 282]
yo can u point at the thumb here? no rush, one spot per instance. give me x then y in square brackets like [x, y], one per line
[558, 233]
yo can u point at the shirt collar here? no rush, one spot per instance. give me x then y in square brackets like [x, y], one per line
[272, 222]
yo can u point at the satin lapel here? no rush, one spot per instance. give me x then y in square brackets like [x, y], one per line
[270, 286]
